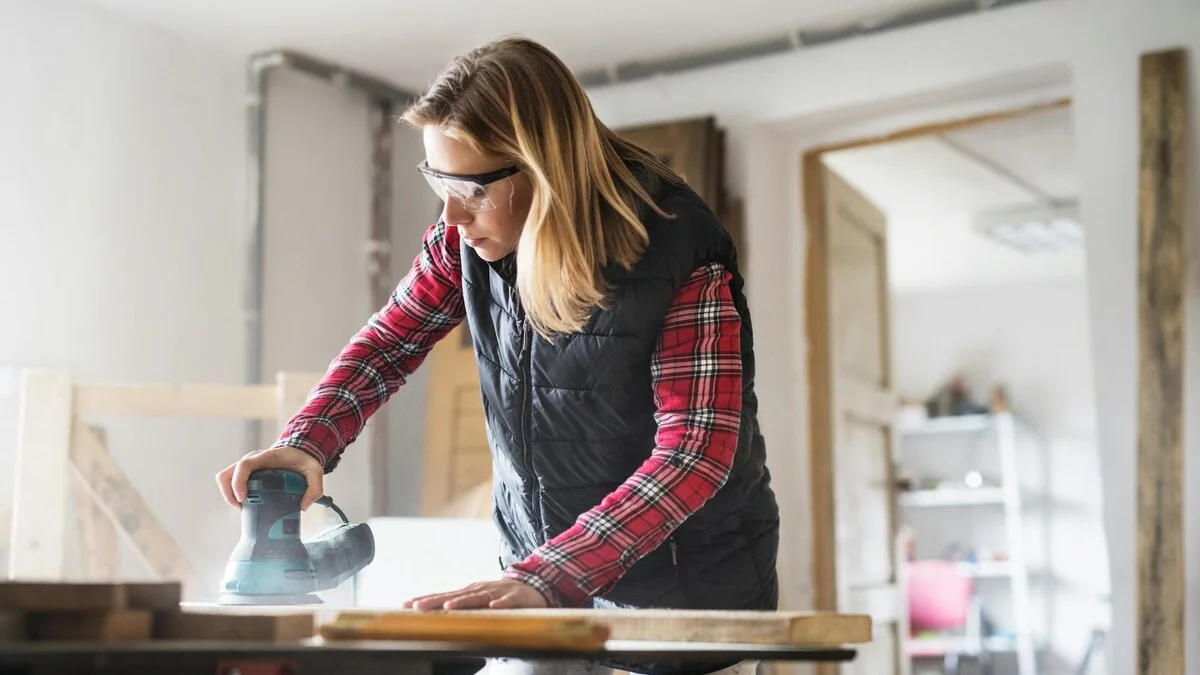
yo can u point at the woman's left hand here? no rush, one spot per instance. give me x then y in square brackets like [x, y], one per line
[500, 594]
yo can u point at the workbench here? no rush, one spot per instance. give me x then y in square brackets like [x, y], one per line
[127, 628]
[368, 657]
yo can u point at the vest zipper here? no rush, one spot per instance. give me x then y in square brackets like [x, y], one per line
[674, 556]
[527, 424]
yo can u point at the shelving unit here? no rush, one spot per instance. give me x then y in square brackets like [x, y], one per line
[1007, 496]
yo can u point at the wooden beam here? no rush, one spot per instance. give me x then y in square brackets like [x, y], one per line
[924, 130]
[165, 400]
[97, 534]
[1161, 279]
[820, 388]
[40, 478]
[124, 506]
[291, 393]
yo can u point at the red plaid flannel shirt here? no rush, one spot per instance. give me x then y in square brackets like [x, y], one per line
[697, 379]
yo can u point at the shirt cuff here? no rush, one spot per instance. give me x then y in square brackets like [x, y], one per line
[312, 437]
[556, 587]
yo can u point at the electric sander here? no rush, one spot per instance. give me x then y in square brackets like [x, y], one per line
[271, 564]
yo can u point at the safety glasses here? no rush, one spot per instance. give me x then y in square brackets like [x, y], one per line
[473, 192]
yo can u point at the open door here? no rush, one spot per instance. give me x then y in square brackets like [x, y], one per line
[856, 560]
[457, 478]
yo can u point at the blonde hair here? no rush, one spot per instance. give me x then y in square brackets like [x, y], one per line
[512, 98]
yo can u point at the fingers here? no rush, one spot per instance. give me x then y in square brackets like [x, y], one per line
[316, 487]
[474, 600]
[472, 596]
[490, 595]
[225, 483]
[241, 474]
[509, 600]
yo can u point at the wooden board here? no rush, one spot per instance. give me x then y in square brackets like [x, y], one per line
[158, 595]
[166, 400]
[97, 533]
[39, 480]
[673, 625]
[119, 626]
[125, 506]
[529, 631]
[1161, 282]
[181, 625]
[657, 625]
[65, 597]
[455, 435]
[87, 596]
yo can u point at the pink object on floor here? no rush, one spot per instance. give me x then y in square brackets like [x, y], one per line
[939, 595]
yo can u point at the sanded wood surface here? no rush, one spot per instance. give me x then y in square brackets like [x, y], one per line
[657, 625]
[1161, 283]
[519, 630]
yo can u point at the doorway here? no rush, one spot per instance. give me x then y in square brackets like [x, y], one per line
[955, 474]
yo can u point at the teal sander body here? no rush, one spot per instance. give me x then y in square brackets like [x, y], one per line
[271, 564]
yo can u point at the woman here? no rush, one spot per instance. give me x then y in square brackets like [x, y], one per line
[614, 348]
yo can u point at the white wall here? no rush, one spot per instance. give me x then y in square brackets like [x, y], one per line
[775, 108]
[122, 215]
[121, 182]
[1032, 339]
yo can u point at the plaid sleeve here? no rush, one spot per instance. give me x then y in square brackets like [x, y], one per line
[697, 378]
[426, 305]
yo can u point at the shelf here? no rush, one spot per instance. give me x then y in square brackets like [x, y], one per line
[953, 497]
[939, 646]
[953, 424]
[986, 569]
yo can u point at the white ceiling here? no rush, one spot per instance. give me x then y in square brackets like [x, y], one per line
[409, 42]
[930, 191]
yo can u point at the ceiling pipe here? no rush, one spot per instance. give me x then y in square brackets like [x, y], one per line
[383, 97]
[788, 42]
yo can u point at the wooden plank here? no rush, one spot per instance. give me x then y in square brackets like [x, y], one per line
[291, 393]
[820, 387]
[1161, 285]
[119, 626]
[262, 627]
[156, 595]
[97, 534]
[124, 506]
[480, 628]
[661, 625]
[168, 400]
[40, 477]
[14, 626]
[669, 625]
[49, 596]
[923, 130]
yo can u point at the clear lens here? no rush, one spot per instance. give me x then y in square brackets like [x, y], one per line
[469, 195]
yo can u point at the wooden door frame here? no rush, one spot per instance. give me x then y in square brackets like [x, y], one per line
[823, 540]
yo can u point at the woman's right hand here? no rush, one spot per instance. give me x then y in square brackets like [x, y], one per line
[232, 479]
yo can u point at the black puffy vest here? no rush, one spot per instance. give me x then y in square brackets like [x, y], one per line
[569, 420]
